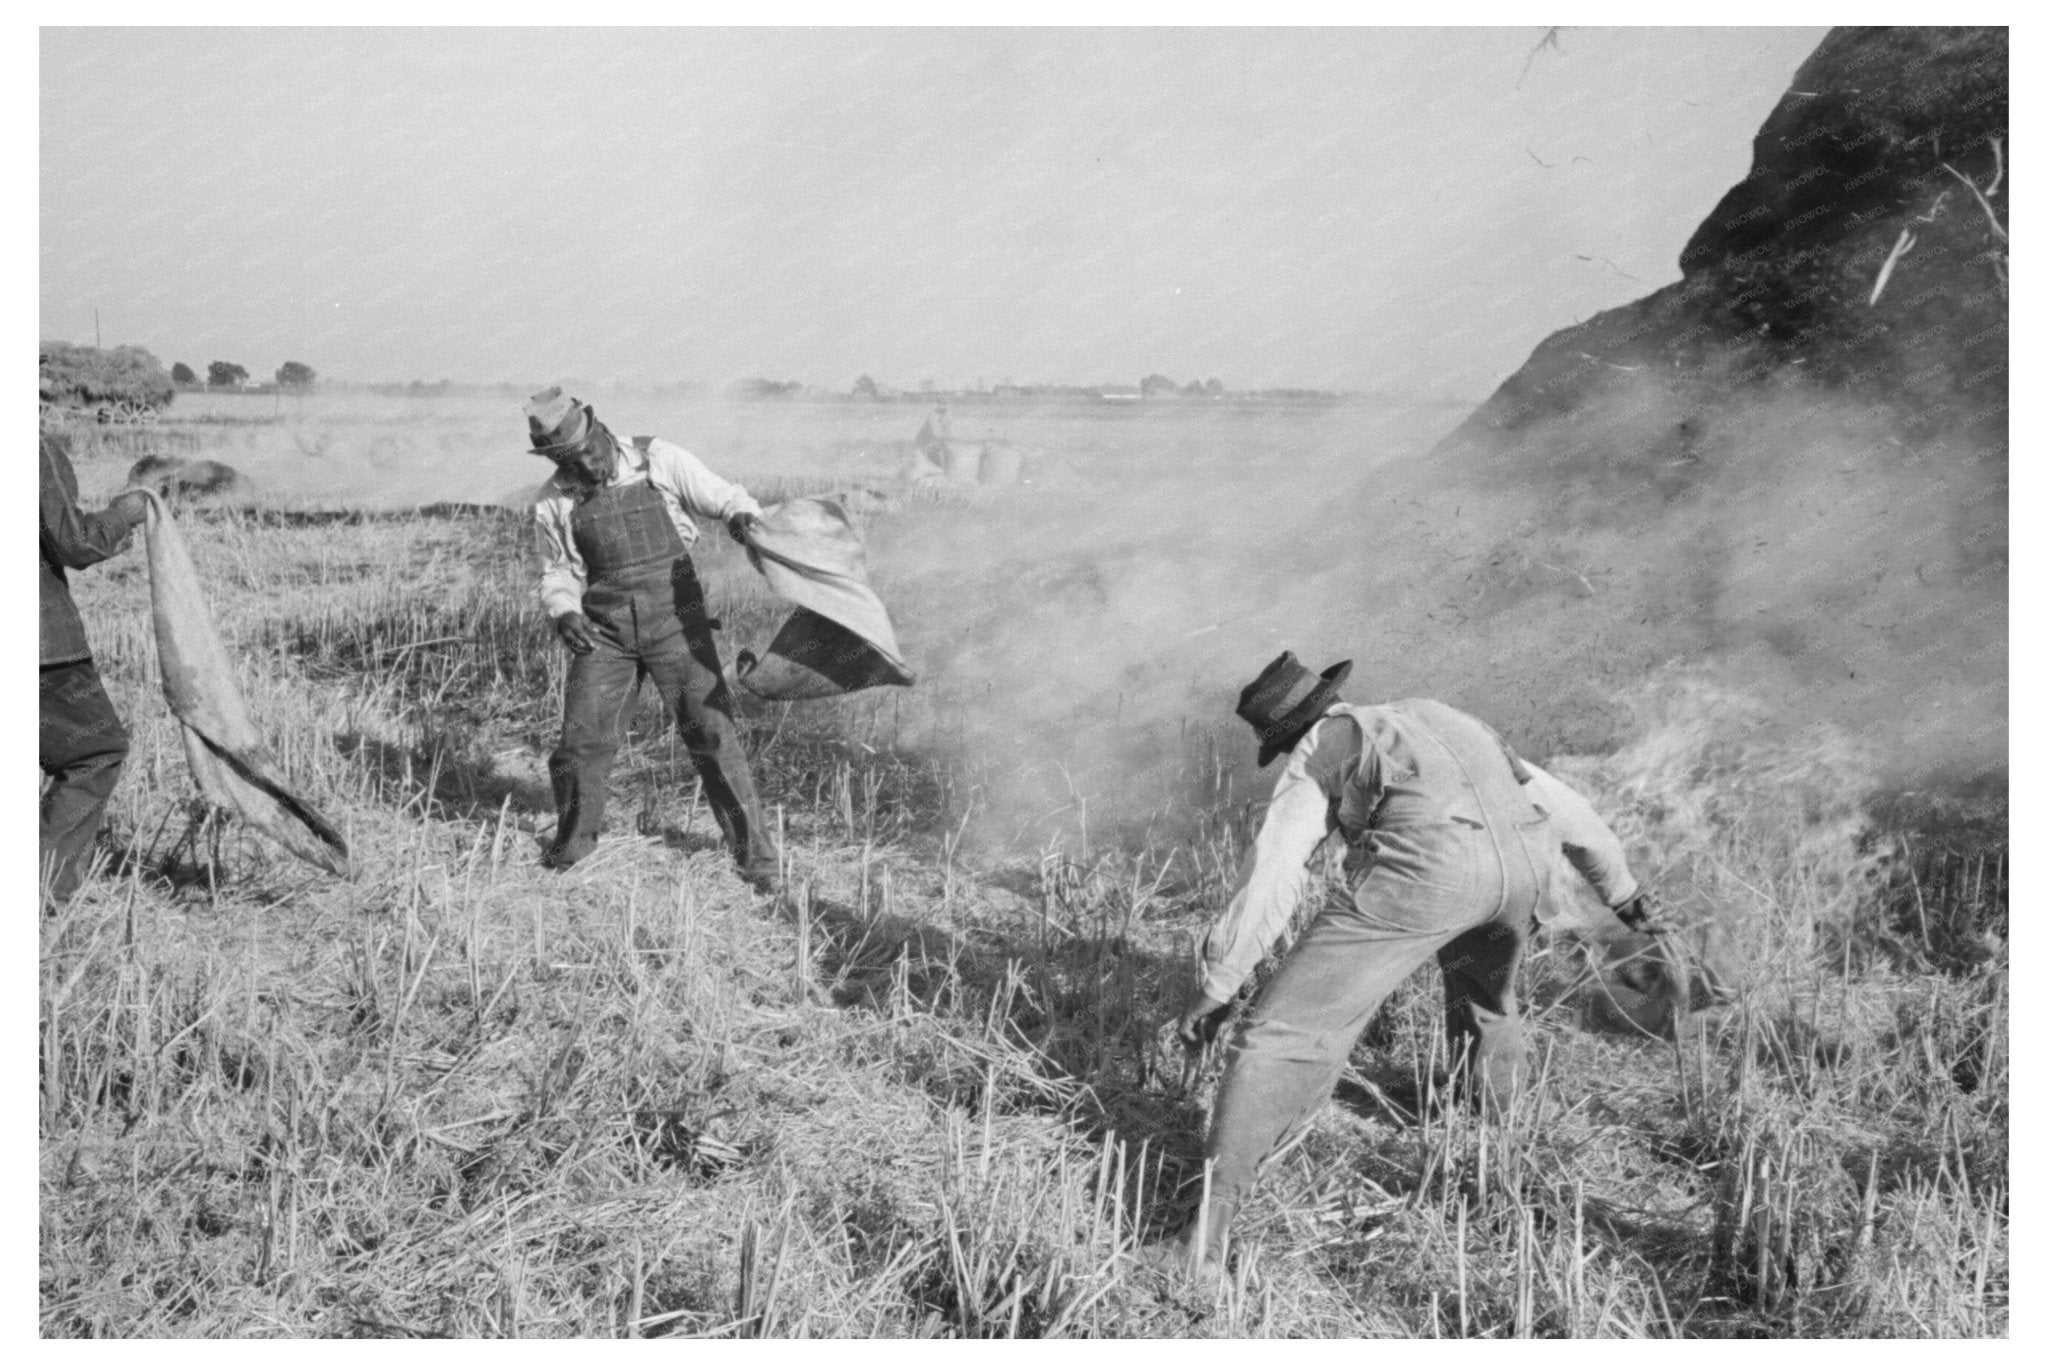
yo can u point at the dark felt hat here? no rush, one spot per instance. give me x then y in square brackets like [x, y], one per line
[558, 424]
[1284, 700]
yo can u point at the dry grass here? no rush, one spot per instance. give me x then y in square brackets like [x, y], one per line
[922, 1093]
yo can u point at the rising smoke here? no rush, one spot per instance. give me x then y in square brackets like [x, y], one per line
[1838, 568]
[1081, 638]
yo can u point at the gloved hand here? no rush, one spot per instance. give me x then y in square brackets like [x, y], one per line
[742, 525]
[1200, 1020]
[132, 505]
[574, 628]
[1642, 913]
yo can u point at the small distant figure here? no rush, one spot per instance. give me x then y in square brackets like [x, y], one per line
[81, 741]
[1450, 852]
[934, 437]
[615, 534]
[989, 461]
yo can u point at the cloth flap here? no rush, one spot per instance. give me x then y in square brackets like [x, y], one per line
[839, 639]
[230, 762]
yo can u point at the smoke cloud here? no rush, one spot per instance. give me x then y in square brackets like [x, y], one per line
[1827, 560]
[1080, 637]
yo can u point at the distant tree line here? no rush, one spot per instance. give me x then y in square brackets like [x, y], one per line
[768, 388]
[226, 374]
[1159, 386]
[131, 374]
[1153, 387]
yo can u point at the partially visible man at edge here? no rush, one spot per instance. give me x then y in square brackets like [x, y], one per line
[615, 533]
[1450, 838]
[81, 741]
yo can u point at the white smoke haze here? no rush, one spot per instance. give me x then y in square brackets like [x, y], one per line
[1080, 637]
[339, 449]
[1836, 573]
[1085, 641]
[1816, 551]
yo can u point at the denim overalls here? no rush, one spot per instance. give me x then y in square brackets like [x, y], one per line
[646, 608]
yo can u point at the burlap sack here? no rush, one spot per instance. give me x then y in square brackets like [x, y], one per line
[839, 638]
[229, 760]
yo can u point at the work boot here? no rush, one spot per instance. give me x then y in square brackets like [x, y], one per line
[562, 857]
[761, 865]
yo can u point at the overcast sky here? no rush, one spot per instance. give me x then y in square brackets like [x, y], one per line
[1394, 209]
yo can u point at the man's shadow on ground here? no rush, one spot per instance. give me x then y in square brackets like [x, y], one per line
[1098, 1057]
[1113, 1080]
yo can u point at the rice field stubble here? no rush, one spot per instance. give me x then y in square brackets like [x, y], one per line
[922, 1093]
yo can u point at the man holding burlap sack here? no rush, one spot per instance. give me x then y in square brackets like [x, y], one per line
[81, 741]
[615, 528]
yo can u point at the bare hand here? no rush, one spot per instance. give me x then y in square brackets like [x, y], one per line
[1642, 914]
[1200, 1021]
[132, 505]
[574, 628]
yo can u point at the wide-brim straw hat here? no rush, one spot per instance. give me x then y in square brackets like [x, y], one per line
[1285, 700]
[558, 424]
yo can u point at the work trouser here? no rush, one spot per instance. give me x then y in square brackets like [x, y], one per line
[82, 745]
[653, 624]
[1466, 901]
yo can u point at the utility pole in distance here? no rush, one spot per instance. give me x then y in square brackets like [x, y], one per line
[96, 329]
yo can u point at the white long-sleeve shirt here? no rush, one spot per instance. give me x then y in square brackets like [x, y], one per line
[1302, 814]
[686, 486]
[1592, 849]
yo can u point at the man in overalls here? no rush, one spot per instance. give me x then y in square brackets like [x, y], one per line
[615, 533]
[1448, 857]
